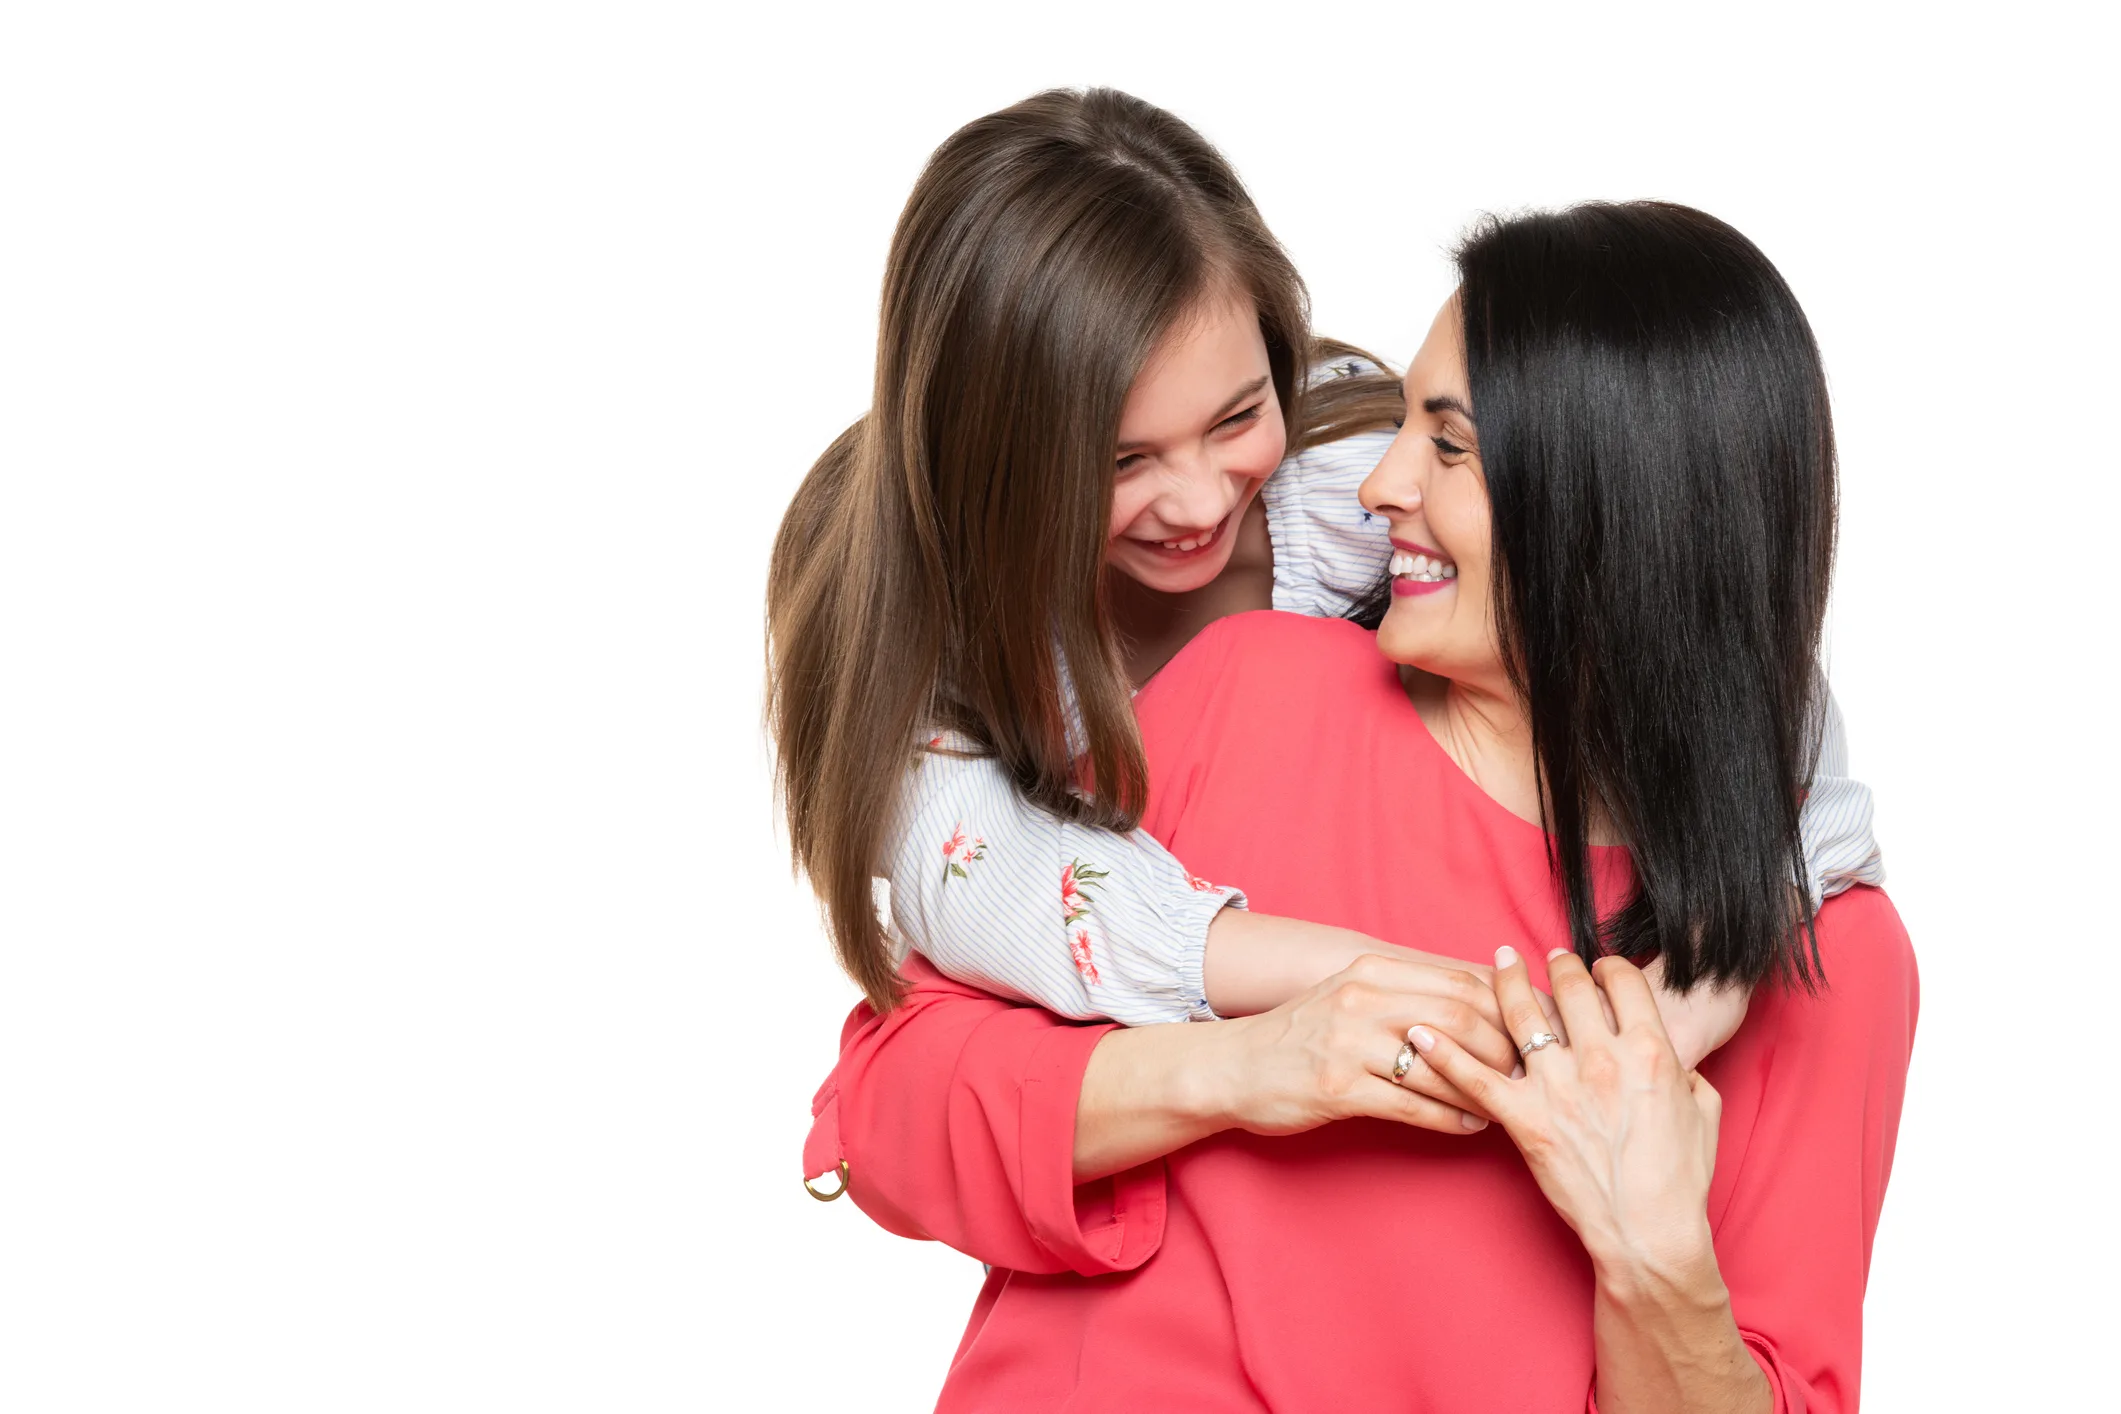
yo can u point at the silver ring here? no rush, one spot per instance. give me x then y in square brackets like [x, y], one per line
[1540, 1042]
[1403, 1062]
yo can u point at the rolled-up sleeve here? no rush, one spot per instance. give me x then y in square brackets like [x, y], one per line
[955, 1119]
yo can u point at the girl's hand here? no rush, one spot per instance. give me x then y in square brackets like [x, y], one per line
[1702, 1020]
[1620, 1135]
[1329, 1053]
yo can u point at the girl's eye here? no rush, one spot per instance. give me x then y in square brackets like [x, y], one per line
[1250, 414]
[1127, 464]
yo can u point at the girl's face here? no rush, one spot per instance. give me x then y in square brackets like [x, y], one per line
[1431, 490]
[1201, 430]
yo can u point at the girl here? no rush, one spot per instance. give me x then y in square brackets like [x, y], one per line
[1093, 358]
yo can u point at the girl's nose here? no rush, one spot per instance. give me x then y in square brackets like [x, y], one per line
[1198, 496]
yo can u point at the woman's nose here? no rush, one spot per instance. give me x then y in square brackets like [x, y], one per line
[1393, 487]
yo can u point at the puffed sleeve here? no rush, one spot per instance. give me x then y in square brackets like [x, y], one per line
[1795, 1210]
[1087, 923]
[1839, 848]
[1329, 553]
[955, 1118]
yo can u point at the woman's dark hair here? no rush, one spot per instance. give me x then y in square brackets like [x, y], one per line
[1653, 425]
[943, 558]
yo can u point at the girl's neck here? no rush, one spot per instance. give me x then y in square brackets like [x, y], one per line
[1153, 626]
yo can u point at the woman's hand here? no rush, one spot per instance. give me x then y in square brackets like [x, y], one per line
[1619, 1134]
[1329, 1053]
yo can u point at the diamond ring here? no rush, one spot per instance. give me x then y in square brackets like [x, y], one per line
[1403, 1062]
[1540, 1042]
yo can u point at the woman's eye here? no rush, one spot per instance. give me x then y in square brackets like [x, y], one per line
[1399, 423]
[1447, 447]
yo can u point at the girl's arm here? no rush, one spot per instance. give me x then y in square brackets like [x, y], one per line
[1839, 849]
[1088, 923]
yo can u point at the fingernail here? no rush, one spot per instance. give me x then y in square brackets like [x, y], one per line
[1505, 956]
[1556, 953]
[1423, 1038]
[1473, 1123]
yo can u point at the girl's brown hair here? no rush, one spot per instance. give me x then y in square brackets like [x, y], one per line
[942, 560]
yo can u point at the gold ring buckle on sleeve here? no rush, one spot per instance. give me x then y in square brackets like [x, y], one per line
[835, 1193]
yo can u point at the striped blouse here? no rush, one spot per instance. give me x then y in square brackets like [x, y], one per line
[1092, 924]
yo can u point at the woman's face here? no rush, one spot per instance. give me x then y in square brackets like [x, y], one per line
[1430, 490]
[1201, 430]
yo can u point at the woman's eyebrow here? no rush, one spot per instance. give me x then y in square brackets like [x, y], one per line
[1447, 404]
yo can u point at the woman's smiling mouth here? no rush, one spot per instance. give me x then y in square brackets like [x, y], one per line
[1417, 569]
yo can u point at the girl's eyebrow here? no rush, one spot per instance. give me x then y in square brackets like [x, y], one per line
[1220, 413]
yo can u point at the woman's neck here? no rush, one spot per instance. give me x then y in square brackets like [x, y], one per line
[1484, 728]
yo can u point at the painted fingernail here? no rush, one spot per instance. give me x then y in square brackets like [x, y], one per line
[1556, 953]
[1505, 956]
[1472, 1123]
[1423, 1038]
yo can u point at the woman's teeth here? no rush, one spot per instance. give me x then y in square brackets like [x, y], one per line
[1421, 567]
[1193, 542]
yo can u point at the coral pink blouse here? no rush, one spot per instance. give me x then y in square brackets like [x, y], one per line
[1364, 1265]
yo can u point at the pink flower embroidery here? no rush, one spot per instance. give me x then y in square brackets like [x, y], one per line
[958, 851]
[1200, 885]
[935, 743]
[1077, 880]
[1079, 949]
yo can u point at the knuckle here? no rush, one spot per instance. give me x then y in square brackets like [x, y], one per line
[1646, 1049]
[1598, 1068]
[1368, 968]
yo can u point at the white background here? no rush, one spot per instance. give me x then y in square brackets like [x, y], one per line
[406, 1003]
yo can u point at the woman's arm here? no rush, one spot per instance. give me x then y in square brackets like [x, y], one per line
[1796, 1191]
[1623, 1143]
[1029, 1143]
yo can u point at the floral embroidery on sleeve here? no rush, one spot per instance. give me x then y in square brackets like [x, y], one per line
[1077, 880]
[1079, 949]
[958, 851]
[1202, 886]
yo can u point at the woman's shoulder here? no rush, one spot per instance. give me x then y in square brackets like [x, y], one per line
[1867, 986]
[1863, 943]
[1262, 665]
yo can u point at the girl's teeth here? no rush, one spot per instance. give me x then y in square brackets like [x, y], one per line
[1193, 543]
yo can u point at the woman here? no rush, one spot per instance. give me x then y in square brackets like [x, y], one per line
[1092, 360]
[1591, 742]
